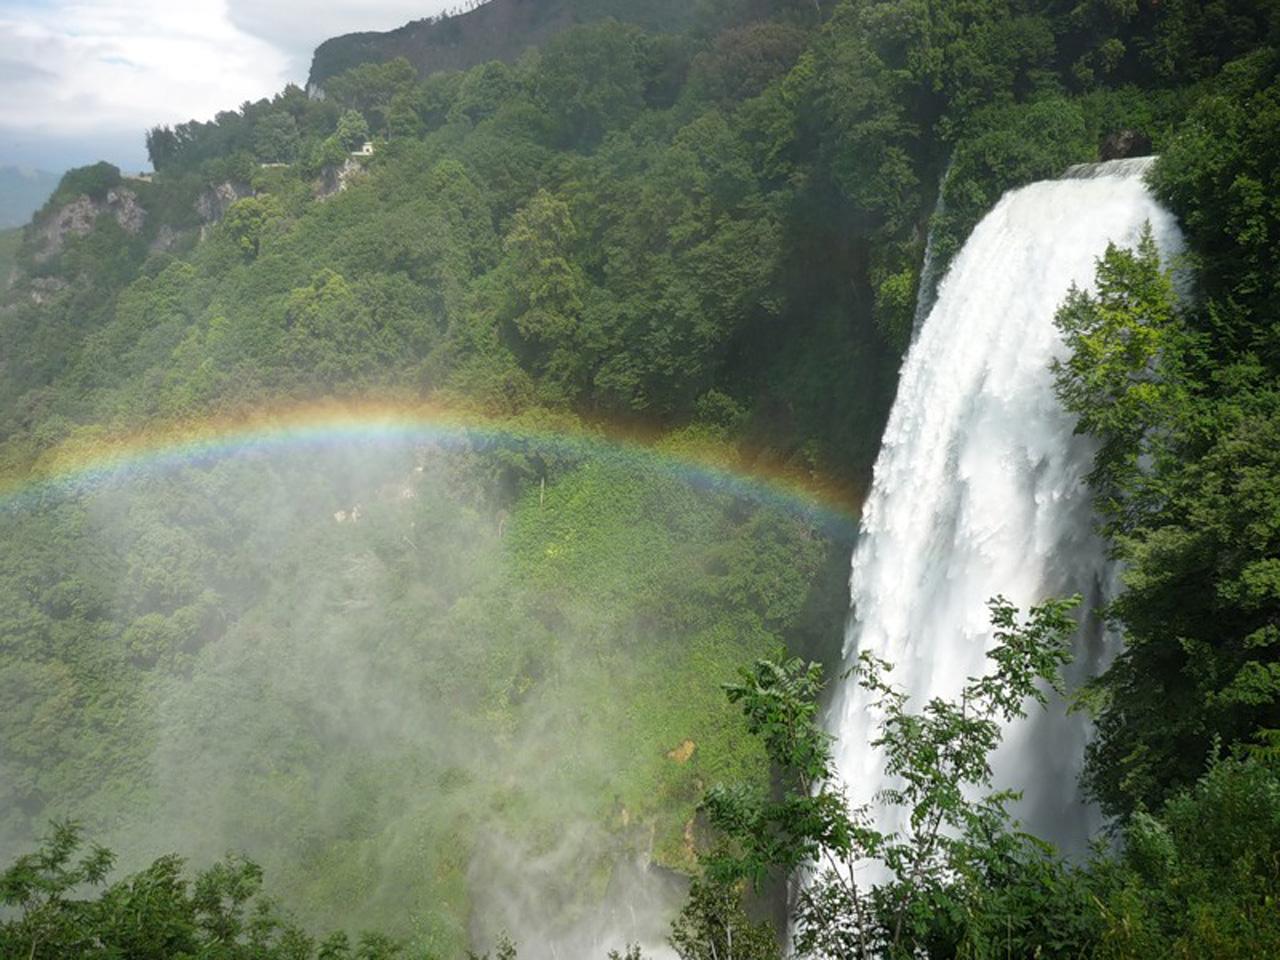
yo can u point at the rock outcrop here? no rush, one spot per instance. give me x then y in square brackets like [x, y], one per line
[77, 218]
[1123, 144]
[214, 202]
[168, 239]
[45, 289]
[335, 179]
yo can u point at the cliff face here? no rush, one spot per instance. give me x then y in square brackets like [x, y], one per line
[214, 201]
[77, 218]
[496, 30]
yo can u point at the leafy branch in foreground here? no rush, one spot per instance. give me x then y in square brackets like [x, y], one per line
[957, 842]
[156, 914]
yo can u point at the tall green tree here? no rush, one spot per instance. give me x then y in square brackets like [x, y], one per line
[371, 88]
[1185, 479]
[353, 129]
[275, 139]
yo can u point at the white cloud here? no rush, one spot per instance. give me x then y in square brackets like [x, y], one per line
[86, 71]
[97, 65]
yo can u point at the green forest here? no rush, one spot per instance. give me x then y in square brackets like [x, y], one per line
[488, 689]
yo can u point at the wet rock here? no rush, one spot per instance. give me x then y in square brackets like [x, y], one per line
[1123, 144]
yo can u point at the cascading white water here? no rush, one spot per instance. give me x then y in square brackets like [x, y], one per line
[979, 486]
[927, 288]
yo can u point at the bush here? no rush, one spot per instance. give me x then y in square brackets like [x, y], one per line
[93, 181]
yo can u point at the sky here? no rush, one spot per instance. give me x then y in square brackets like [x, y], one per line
[82, 80]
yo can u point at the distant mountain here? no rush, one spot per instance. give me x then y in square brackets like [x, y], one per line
[495, 30]
[22, 193]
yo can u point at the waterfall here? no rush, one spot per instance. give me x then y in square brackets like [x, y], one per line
[927, 288]
[979, 488]
[1127, 169]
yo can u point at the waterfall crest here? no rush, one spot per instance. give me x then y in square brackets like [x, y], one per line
[979, 488]
[1126, 169]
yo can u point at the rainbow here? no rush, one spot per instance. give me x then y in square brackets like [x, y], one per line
[94, 456]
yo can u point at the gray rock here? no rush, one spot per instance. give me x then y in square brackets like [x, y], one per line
[1123, 144]
[214, 202]
[76, 219]
[334, 180]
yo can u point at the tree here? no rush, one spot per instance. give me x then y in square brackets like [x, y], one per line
[1188, 430]
[246, 223]
[589, 80]
[482, 90]
[275, 138]
[1218, 176]
[353, 130]
[156, 914]
[162, 146]
[743, 61]
[370, 88]
[92, 181]
[1197, 878]
[864, 98]
[1124, 378]
[713, 926]
[546, 286]
[40, 886]
[956, 839]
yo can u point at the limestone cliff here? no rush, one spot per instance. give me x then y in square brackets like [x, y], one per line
[77, 217]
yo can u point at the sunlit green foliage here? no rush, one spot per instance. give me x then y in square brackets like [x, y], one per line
[958, 874]
[1183, 397]
[1195, 878]
[1123, 378]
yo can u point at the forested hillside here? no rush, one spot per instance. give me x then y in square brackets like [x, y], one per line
[486, 30]
[634, 303]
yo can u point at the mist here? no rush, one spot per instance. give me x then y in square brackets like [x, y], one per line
[429, 695]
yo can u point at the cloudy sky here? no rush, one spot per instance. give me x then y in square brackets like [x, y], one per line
[81, 80]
